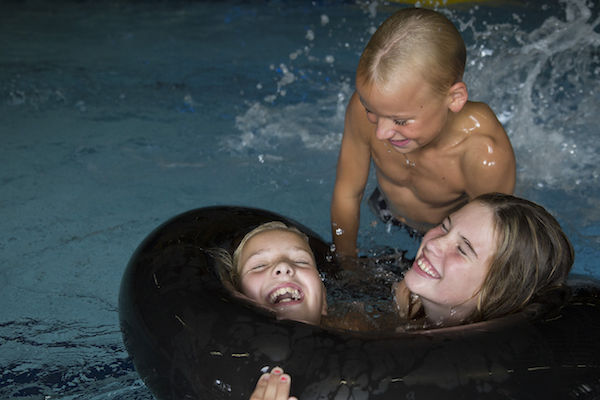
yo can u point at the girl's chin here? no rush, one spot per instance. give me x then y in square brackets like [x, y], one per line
[415, 282]
[409, 280]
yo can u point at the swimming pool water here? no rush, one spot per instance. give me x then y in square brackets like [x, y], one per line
[119, 115]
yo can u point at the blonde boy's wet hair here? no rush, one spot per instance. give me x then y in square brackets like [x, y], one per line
[414, 40]
[230, 268]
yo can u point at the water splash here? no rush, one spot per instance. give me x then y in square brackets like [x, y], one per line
[544, 85]
[542, 81]
[266, 127]
[310, 89]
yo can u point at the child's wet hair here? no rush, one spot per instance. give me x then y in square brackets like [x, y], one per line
[414, 40]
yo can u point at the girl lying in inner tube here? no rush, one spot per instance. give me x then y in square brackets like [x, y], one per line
[274, 267]
[489, 259]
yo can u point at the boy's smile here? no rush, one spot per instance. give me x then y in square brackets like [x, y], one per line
[399, 143]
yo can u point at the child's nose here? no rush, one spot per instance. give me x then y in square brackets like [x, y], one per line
[384, 129]
[437, 245]
[283, 268]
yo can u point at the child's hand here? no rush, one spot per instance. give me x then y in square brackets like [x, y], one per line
[273, 386]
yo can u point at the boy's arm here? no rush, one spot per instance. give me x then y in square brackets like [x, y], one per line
[488, 163]
[352, 173]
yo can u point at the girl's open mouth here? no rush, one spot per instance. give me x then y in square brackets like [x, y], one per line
[285, 294]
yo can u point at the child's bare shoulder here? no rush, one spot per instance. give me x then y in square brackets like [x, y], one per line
[356, 124]
[477, 127]
[487, 155]
[481, 119]
[481, 130]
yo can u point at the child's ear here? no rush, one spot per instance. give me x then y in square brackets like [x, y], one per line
[457, 96]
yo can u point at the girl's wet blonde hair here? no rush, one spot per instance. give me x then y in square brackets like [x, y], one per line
[414, 40]
[533, 258]
[229, 268]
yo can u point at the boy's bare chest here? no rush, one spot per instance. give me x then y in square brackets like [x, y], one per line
[423, 172]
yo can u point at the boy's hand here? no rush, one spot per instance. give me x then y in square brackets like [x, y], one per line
[273, 386]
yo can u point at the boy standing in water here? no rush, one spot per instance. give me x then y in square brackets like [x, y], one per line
[433, 150]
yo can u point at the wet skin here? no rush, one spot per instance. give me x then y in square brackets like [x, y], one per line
[278, 271]
[452, 263]
[432, 153]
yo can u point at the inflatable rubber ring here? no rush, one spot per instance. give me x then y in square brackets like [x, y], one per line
[190, 339]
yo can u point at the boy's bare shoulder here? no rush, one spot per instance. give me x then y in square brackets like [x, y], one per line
[356, 124]
[355, 111]
[477, 127]
[487, 154]
[481, 119]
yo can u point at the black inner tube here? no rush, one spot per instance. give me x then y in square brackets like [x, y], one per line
[190, 339]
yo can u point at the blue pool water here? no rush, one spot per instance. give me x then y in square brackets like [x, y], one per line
[119, 115]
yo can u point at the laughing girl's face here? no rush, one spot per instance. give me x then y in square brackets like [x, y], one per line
[278, 271]
[452, 263]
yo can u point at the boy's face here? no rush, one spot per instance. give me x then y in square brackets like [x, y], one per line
[407, 114]
[278, 271]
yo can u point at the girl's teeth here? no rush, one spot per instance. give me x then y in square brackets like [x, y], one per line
[294, 294]
[425, 267]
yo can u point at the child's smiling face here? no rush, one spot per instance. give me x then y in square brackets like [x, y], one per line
[407, 114]
[453, 260]
[277, 270]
